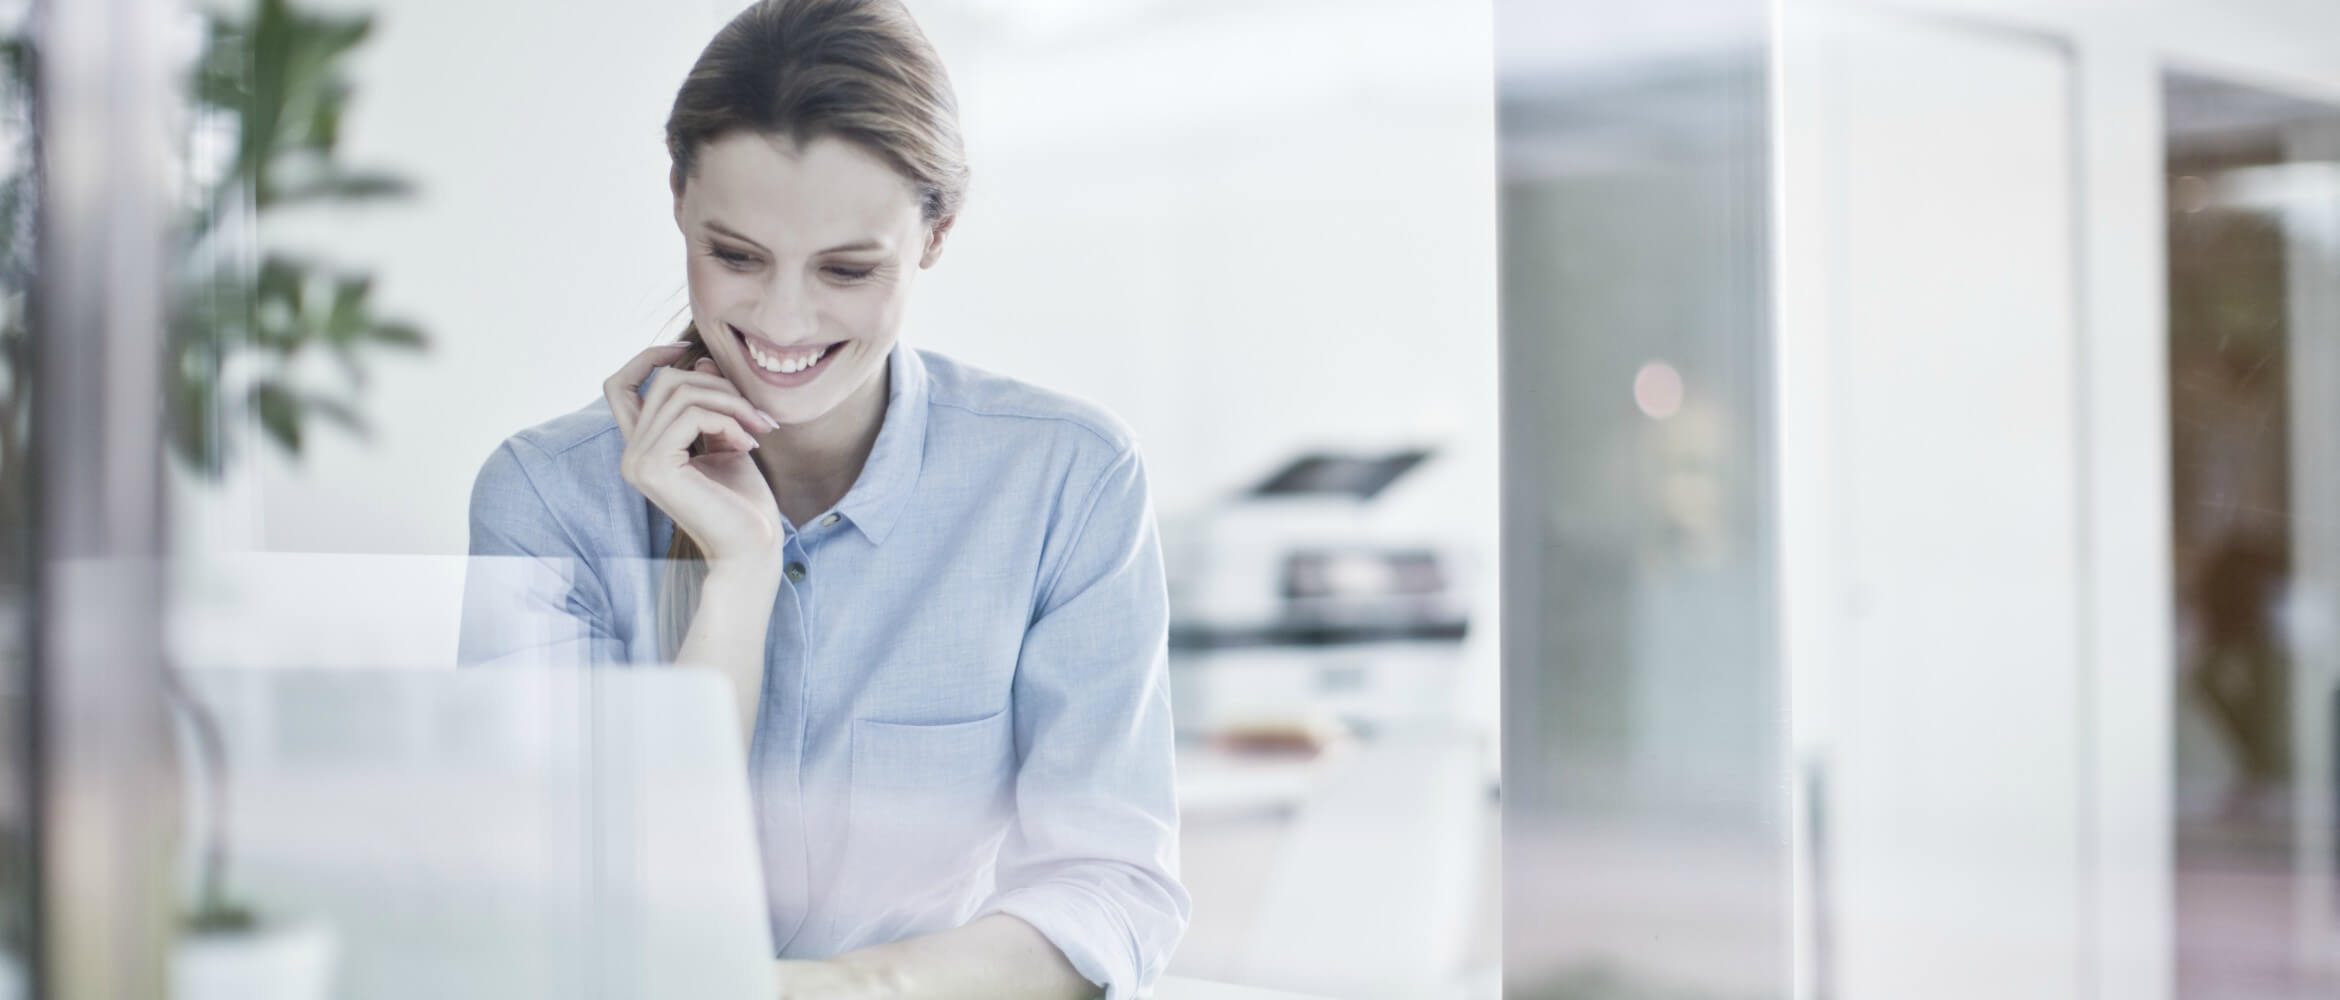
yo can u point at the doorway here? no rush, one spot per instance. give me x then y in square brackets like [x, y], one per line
[2253, 184]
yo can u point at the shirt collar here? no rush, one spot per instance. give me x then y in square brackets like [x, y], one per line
[883, 489]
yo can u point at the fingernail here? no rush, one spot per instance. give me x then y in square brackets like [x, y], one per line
[771, 424]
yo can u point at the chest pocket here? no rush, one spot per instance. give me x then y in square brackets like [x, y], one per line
[927, 803]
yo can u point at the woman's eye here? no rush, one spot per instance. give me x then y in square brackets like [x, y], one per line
[850, 273]
[732, 258]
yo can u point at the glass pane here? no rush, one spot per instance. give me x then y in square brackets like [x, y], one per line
[1255, 253]
[1644, 800]
[2254, 383]
[19, 197]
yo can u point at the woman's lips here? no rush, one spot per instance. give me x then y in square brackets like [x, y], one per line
[751, 346]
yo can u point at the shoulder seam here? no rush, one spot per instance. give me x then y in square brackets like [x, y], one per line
[566, 448]
[583, 556]
[1080, 530]
[1109, 440]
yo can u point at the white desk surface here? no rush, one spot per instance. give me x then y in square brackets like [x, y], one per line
[1181, 988]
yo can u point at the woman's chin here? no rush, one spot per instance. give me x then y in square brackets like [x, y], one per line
[793, 409]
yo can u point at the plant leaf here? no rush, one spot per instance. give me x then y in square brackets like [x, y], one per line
[280, 413]
[348, 316]
[339, 413]
[344, 186]
[404, 336]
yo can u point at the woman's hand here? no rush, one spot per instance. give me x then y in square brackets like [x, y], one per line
[720, 496]
[835, 979]
[994, 956]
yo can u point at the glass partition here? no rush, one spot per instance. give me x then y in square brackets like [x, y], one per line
[2254, 201]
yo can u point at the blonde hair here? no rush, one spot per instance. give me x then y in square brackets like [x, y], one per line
[857, 70]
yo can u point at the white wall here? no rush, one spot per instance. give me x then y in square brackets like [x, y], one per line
[1945, 234]
[2284, 45]
[1241, 228]
[2066, 722]
[538, 254]
[1960, 446]
[1245, 229]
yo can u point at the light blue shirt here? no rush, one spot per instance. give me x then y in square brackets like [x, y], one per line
[965, 707]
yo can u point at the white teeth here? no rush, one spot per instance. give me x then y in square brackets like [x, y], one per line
[785, 366]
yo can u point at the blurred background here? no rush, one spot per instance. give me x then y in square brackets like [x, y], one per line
[1644, 804]
[1698, 500]
[1268, 246]
[1914, 585]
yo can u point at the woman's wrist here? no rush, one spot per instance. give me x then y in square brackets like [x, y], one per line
[873, 975]
[759, 573]
[851, 976]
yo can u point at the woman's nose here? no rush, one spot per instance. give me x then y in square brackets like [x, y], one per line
[786, 314]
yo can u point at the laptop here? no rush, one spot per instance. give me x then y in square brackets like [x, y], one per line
[495, 833]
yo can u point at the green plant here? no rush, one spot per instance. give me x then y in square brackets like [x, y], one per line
[18, 199]
[275, 78]
[273, 82]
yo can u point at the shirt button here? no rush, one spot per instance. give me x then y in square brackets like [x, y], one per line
[829, 520]
[795, 572]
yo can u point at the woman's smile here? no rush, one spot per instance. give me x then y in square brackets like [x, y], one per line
[786, 367]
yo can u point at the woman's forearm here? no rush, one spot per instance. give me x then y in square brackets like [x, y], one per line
[727, 632]
[997, 957]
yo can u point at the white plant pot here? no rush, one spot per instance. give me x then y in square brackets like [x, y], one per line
[278, 961]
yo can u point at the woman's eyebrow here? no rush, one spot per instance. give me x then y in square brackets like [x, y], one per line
[724, 230]
[865, 243]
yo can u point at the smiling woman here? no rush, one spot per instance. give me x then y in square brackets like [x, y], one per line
[801, 252]
[937, 591]
[830, 269]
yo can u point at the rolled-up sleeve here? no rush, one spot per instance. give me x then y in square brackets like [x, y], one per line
[529, 594]
[1091, 859]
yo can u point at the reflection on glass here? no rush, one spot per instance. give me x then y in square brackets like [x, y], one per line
[1334, 747]
[1643, 795]
[2254, 379]
[18, 198]
[266, 88]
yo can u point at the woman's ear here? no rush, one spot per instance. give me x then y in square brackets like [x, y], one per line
[934, 240]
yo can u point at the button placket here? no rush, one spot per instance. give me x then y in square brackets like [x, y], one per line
[798, 602]
[784, 809]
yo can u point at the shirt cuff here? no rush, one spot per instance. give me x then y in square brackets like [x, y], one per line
[1090, 934]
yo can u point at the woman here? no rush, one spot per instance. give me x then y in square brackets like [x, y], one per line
[937, 591]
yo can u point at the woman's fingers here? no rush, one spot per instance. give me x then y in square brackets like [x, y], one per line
[662, 443]
[623, 389]
[690, 423]
[661, 409]
[711, 375]
[673, 380]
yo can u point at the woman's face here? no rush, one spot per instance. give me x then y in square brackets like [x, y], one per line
[801, 259]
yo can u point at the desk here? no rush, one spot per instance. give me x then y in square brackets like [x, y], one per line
[1182, 988]
[492, 835]
[1216, 780]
